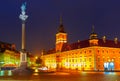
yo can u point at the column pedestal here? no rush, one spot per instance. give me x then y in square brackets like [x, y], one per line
[23, 59]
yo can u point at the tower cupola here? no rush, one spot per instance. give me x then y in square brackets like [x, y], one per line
[93, 39]
[93, 35]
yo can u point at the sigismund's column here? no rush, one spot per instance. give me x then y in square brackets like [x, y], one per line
[23, 54]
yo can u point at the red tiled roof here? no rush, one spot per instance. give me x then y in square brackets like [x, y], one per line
[85, 43]
[51, 51]
[76, 45]
[108, 43]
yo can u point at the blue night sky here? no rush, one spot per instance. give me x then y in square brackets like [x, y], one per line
[44, 15]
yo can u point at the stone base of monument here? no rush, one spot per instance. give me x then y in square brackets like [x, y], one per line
[22, 70]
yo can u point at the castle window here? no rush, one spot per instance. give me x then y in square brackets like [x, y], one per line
[72, 60]
[108, 59]
[76, 60]
[98, 65]
[103, 51]
[103, 59]
[80, 60]
[66, 60]
[107, 51]
[113, 52]
[69, 60]
[89, 59]
[85, 59]
[98, 59]
[89, 51]
[98, 51]
[90, 65]
[112, 59]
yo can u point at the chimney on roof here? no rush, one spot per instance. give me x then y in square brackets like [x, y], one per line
[43, 52]
[78, 41]
[79, 44]
[13, 47]
[104, 39]
[116, 40]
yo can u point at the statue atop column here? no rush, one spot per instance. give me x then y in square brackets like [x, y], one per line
[23, 15]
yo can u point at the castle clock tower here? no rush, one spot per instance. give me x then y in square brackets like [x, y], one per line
[61, 37]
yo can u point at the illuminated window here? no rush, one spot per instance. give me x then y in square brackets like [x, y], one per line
[85, 59]
[112, 59]
[103, 51]
[66, 60]
[103, 59]
[98, 51]
[98, 65]
[89, 59]
[90, 65]
[89, 51]
[72, 60]
[76, 60]
[69, 60]
[108, 59]
[80, 60]
[98, 59]
[107, 51]
[113, 52]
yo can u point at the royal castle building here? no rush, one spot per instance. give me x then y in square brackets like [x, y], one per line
[90, 54]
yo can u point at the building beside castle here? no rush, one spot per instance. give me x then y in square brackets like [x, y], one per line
[90, 54]
[10, 57]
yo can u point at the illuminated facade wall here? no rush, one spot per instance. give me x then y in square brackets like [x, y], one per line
[11, 57]
[90, 58]
[109, 57]
[50, 60]
[74, 59]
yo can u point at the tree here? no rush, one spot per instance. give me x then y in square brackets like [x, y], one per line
[38, 61]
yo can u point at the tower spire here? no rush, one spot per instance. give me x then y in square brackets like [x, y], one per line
[61, 20]
[61, 27]
[93, 28]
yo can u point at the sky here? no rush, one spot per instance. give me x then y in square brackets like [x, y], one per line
[44, 19]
